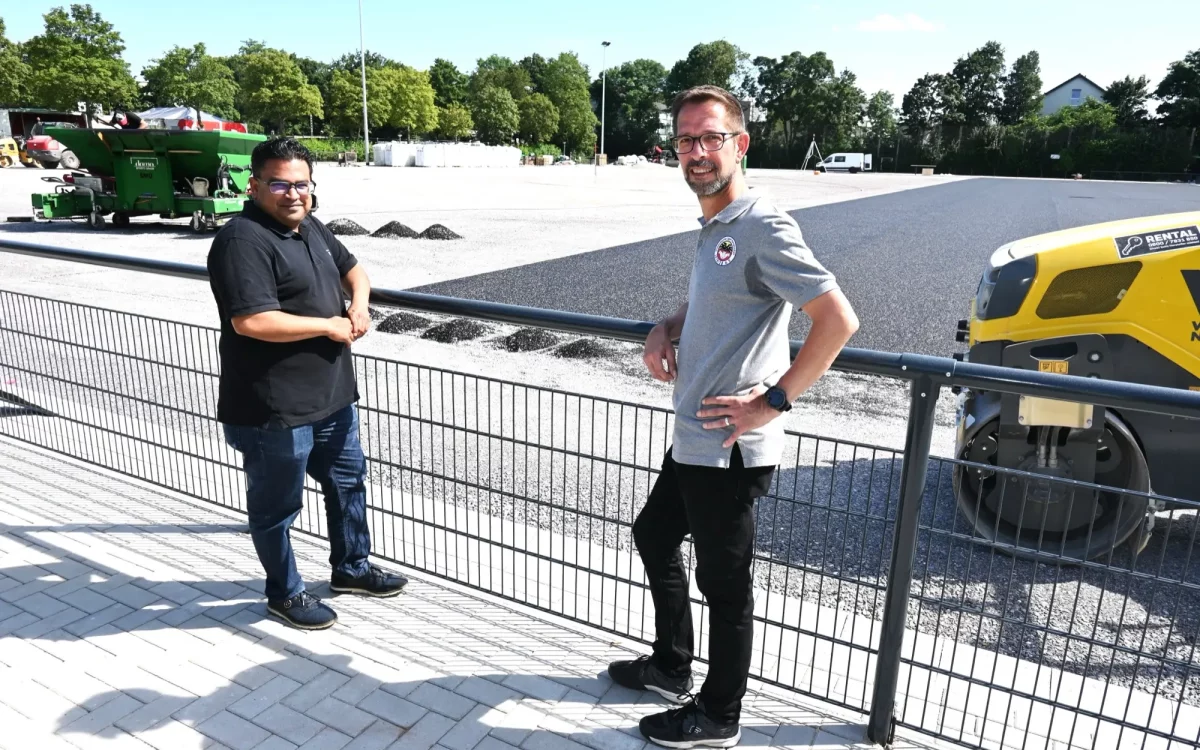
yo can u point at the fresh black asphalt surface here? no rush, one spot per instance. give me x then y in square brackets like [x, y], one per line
[909, 261]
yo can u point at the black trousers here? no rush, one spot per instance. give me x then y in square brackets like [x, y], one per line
[717, 507]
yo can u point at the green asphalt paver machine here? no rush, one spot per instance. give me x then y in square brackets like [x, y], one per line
[170, 173]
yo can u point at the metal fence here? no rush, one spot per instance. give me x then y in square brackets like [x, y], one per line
[876, 589]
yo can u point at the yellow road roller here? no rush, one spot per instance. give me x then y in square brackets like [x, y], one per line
[1119, 301]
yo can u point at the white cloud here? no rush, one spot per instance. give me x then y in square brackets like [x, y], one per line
[907, 22]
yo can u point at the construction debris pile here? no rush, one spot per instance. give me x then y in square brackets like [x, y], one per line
[393, 230]
[529, 339]
[453, 331]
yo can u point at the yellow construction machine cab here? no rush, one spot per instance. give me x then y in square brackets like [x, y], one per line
[1119, 301]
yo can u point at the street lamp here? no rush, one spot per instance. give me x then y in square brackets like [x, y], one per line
[603, 89]
[362, 59]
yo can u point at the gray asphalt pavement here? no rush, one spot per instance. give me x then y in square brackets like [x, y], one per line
[909, 261]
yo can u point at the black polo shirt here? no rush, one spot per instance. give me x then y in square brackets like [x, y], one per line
[257, 264]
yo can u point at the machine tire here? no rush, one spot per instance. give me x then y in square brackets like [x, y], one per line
[69, 160]
[49, 165]
[95, 220]
[120, 220]
[197, 223]
[1119, 518]
[5, 162]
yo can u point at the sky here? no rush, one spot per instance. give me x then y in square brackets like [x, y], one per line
[888, 45]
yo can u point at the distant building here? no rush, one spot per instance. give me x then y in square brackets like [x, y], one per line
[1071, 93]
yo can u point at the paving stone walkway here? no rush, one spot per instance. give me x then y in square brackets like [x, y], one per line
[133, 617]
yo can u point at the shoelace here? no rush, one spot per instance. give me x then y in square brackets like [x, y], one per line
[306, 600]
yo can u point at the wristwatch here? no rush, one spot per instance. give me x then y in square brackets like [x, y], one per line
[777, 399]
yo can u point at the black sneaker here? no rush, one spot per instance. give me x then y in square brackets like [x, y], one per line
[376, 582]
[304, 611]
[642, 674]
[689, 727]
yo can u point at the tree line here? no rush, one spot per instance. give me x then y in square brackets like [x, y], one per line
[78, 58]
[981, 116]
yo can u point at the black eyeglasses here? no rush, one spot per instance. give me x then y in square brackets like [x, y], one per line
[281, 187]
[708, 141]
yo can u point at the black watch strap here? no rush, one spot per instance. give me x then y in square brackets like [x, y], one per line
[777, 398]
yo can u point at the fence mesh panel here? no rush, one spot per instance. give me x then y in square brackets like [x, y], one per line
[530, 493]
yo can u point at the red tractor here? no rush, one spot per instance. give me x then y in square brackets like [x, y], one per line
[47, 151]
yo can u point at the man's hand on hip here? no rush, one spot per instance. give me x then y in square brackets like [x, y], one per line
[658, 350]
[738, 414]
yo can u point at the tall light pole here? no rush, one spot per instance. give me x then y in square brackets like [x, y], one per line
[362, 59]
[603, 90]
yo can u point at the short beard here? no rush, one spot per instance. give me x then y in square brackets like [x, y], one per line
[705, 190]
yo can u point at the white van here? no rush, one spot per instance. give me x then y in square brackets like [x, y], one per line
[851, 163]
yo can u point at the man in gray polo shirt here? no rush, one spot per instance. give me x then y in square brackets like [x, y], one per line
[733, 377]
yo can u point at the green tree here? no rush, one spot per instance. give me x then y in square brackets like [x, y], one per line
[319, 74]
[496, 116]
[632, 96]
[413, 109]
[539, 119]
[237, 62]
[804, 95]
[535, 65]
[713, 63]
[1022, 90]
[454, 122]
[979, 76]
[353, 62]
[77, 58]
[1089, 114]
[1128, 97]
[14, 73]
[1179, 91]
[934, 100]
[881, 117]
[503, 73]
[449, 84]
[566, 84]
[275, 90]
[344, 107]
[190, 77]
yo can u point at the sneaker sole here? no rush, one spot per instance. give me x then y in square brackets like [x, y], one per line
[364, 592]
[677, 698]
[729, 742]
[302, 626]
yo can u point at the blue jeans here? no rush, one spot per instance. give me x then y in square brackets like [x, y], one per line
[276, 460]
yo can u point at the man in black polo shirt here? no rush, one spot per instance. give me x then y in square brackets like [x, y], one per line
[288, 396]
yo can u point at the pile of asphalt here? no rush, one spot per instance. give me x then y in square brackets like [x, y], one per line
[439, 232]
[584, 349]
[394, 230]
[459, 329]
[347, 227]
[529, 339]
[403, 322]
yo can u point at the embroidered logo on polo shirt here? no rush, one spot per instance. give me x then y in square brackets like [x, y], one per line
[726, 249]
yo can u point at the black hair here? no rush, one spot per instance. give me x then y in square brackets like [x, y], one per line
[281, 147]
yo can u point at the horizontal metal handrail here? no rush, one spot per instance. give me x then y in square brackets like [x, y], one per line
[940, 370]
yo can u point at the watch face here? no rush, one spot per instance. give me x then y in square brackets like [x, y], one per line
[775, 398]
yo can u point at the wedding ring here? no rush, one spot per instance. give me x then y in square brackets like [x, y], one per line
[726, 421]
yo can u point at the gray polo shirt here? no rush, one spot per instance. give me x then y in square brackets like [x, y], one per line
[751, 269]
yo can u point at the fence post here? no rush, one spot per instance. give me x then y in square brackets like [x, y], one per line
[922, 403]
